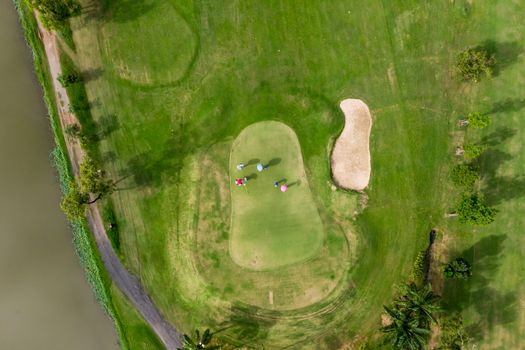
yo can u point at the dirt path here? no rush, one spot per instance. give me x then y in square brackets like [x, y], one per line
[125, 281]
[351, 154]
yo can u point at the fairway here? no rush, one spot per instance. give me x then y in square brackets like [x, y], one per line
[197, 86]
[271, 228]
[161, 61]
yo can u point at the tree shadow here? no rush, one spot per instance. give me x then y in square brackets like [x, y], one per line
[92, 74]
[498, 188]
[490, 161]
[504, 188]
[150, 169]
[108, 157]
[506, 53]
[107, 125]
[125, 10]
[492, 306]
[507, 105]
[248, 324]
[498, 136]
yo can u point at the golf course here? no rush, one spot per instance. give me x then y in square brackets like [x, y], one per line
[222, 126]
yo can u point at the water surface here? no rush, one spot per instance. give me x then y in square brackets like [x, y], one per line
[45, 302]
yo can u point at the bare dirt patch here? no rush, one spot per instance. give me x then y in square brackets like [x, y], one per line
[351, 154]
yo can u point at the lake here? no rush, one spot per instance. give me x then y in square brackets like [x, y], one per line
[45, 302]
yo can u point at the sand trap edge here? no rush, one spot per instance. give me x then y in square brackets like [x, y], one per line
[350, 158]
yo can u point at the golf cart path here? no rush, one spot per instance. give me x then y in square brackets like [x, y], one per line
[125, 281]
[351, 154]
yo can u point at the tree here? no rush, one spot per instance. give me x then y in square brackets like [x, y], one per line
[458, 268]
[68, 79]
[404, 331]
[73, 130]
[93, 180]
[54, 13]
[472, 151]
[464, 175]
[74, 202]
[472, 209]
[420, 302]
[474, 63]
[477, 120]
[410, 315]
[452, 333]
[199, 341]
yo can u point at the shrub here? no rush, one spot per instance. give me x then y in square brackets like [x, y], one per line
[73, 130]
[68, 79]
[464, 175]
[419, 265]
[452, 333]
[458, 268]
[472, 151]
[108, 214]
[474, 63]
[478, 121]
[472, 209]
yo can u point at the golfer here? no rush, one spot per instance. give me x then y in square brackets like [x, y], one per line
[240, 166]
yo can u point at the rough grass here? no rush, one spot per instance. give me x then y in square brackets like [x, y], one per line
[136, 334]
[271, 228]
[294, 61]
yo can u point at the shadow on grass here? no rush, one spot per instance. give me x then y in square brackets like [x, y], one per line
[506, 53]
[493, 307]
[294, 183]
[247, 324]
[498, 188]
[274, 162]
[253, 161]
[124, 10]
[498, 136]
[107, 125]
[92, 74]
[150, 169]
[507, 105]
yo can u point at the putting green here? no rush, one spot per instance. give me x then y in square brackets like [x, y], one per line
[271, 228]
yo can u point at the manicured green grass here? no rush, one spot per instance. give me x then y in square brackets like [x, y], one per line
[293, 61]
[271, 228]
[161, 60]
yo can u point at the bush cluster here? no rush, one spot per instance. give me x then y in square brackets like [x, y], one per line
[475, 63]
[458, 268]
[464, 175]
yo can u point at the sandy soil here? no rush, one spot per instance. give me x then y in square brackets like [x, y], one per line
[351, 154]
[124, 280]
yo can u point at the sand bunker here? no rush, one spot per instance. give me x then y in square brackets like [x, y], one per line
[351, 154]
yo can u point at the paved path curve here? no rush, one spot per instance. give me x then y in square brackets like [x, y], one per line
[125, 281]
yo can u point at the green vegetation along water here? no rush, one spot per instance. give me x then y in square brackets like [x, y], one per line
[45, 301]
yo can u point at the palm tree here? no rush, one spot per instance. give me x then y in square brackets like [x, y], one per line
[404, 330]
[199, 341]
[421, 302]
